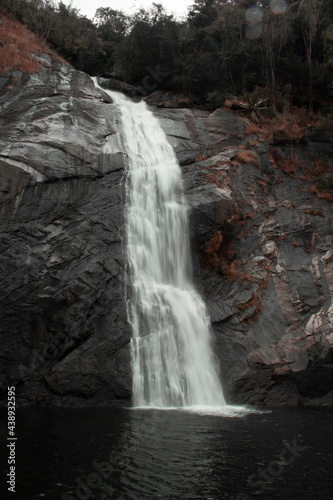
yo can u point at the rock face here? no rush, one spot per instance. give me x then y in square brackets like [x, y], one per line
[261, 244]
[64, 334]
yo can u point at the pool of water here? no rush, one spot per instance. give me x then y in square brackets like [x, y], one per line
[140, 454]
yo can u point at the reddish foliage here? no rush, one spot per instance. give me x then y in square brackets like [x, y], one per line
[248, 157]
[246, 277]
[281, 128]
[200, 157]
[229, 103]
[256, 314]
[313, 212]
[276, 157]
[18, 45]
[250, 303]
[213, 246]
[324, 195]
[317, 169]
[253, 129]
[287, 165]
[263, 184]
[253, 302]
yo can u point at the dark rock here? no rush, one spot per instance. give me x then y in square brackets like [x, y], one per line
[162, 99]
[114, 84]
[64, 333]
[271, 300]
[261, 247]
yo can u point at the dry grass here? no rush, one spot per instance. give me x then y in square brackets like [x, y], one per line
[264, 185]
[313, 212]
[256, 314]
[323, 195]
[248, 157]
[200, 157]
[313, 174]
[287, 165]
[213, 249]
[318, 168]
[284, 128]
[19, 45]
[253, 128]
[255, 303]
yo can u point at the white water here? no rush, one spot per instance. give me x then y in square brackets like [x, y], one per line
[172, 360]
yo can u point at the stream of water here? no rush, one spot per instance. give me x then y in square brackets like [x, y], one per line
[172, 361]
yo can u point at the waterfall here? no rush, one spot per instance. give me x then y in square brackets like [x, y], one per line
[172, 361]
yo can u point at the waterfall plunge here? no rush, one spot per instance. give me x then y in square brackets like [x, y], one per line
[172, 361]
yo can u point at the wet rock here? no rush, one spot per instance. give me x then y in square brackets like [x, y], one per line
[114, 84]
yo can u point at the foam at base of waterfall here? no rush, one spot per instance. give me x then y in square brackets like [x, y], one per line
[217, 411]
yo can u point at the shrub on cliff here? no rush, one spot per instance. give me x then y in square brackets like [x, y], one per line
[18, 47]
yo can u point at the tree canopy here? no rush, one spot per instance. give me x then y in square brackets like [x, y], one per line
[223, 48]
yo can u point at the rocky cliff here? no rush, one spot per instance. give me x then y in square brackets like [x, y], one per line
[261, 244]
[64, 333]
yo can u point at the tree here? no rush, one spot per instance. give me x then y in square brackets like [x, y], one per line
[203, 12]
[151, 41]
[111, 24]
[277, 30]
[310, 12]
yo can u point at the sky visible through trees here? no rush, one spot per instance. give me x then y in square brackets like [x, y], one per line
[276, 50]
[88, 8]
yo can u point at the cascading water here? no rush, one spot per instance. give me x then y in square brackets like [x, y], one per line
[172, 361]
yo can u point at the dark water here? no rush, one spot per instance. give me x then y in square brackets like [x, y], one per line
[150, 454]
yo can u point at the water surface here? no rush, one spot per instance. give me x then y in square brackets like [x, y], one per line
[170, 454]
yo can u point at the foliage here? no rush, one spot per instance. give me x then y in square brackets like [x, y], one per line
[287, 165]
[249, 157]
[18, 47]
[215, 100]
[218, 52]
[253, 104]
[150, 42]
